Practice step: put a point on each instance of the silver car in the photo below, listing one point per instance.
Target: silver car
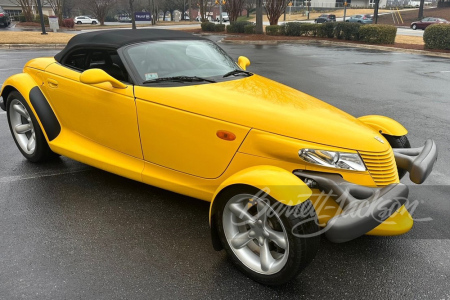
(364, 19)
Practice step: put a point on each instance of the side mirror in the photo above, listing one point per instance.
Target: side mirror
(243, 62)
(96, 76)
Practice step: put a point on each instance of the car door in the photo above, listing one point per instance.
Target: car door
(100, 113)
(423, 23)
(174, 133)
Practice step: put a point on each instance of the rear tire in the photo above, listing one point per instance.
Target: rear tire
(25, 129)
(272, 247)
(398, 142)
(79, 22)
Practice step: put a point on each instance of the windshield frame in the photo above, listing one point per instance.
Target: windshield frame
(138, 81)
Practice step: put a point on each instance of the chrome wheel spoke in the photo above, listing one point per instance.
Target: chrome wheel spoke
(277, 237)
(241, 240)
(262, 211)
(266, 257)
(241, 212)
(20, 110)
(22, 128)
(31, 143)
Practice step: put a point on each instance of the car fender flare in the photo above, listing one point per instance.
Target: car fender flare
(279, 183)
(29, 89)
(384, 125)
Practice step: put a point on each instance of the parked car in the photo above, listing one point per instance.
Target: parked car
(325, 18)
(5, 20)
(173, 110)
(85, 20)
(364, 19)
(225, 17)
(424, 23)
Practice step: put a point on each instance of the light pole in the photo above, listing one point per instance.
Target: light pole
(41, 17)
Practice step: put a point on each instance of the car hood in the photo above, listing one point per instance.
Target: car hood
(260, 103)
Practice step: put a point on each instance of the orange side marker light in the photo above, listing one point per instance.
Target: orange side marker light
(226, 135)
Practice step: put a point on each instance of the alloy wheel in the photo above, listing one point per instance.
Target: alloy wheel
(22, 127)
(256, 234)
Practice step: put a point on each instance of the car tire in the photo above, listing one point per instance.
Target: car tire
(398, 142)
(79, 23)
(414, 27)
(297, 235)
(26, 131)
(94, 23)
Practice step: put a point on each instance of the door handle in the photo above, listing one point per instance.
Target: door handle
(52, 83)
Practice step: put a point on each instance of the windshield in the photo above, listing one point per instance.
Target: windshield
(194, 58)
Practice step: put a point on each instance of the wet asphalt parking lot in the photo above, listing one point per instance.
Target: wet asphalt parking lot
(69, 231)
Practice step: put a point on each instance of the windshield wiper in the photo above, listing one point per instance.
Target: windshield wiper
(237, 72)
(179, 79)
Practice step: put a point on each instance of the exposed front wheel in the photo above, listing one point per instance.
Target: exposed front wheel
(267, 240)
(94, 23)
(26, 131)
(398, 142)
(414, 27)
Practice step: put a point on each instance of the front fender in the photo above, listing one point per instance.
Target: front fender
(280, 184)
(21, 82)
(26, 85)
(384, 125)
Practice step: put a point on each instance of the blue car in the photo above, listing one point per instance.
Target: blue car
(364, 19)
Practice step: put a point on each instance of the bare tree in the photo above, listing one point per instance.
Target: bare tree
(27, 8)
(68, 6)
(133, 18)
(153, 6)
(234, 9)
(203, 6)
(249, 6)
(99, 8)
(57, 6)
(274, 10)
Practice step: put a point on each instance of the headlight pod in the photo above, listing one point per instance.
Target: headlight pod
(331, 159)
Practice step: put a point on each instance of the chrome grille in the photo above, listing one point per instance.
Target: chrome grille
(381, 166)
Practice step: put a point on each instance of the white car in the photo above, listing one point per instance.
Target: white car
(225, 17)
(85, 20)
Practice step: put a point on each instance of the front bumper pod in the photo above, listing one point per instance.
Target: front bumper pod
(363, 208)
(417, 161)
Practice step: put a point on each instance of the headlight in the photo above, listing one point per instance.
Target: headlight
(341, 160)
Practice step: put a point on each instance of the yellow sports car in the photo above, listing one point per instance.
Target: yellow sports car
(173, 110)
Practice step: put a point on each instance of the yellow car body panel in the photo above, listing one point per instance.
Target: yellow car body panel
(23, 83)
(282, 150)
(100, 113)
(274, 181)
(384, 125)
(196, 149)
(271, 107)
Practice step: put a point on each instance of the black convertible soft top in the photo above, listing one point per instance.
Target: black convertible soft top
(114, 39)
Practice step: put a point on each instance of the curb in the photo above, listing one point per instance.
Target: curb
(32, 46)
(343, 44)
